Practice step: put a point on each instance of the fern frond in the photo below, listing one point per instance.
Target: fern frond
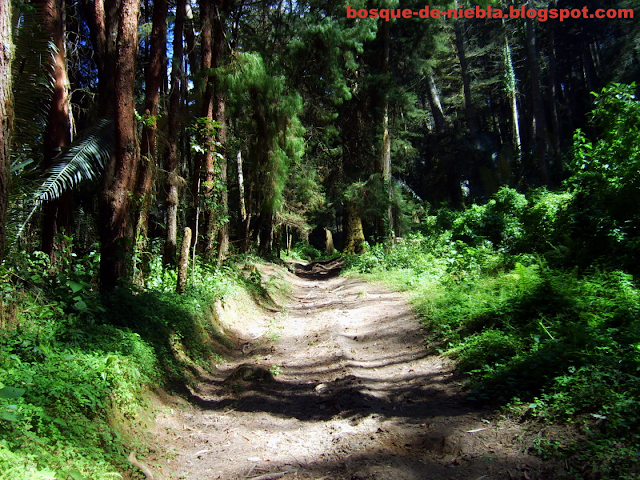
(83, 161)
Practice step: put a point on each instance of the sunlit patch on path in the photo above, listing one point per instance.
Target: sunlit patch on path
(349, 393)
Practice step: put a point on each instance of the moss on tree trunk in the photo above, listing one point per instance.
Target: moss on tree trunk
(353, 233)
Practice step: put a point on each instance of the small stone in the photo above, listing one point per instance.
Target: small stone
(322, 388)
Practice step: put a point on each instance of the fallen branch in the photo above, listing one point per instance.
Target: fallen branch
(476, 430)
(140, 466)
(270, 476)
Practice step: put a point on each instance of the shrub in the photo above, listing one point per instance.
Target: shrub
(553, 341)
(83, 361)
(499, 221)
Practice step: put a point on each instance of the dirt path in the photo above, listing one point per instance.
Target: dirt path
(355, 396)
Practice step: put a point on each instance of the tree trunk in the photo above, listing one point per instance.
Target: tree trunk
(466, 82)
(267, 222)
(383, 167)
(102, 18)
(148, 164)
(555, 97)
(190, 40)
(539, 129)
(223, 209)
(243, 208)
(120, 177)
(183, 263)
(204, 165)
(57, 214)
(329, 248)
(220, 116)
(175, 103)
(435, 104)
(215, 167)
(353, 232)
(6, 115)
(385, 154)
(590, 70)
(247, 223)
(512, 89)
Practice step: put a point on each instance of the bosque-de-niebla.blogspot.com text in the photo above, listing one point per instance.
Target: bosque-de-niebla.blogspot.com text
(541, 14)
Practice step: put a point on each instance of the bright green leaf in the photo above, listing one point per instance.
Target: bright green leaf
(80, 305)
(11, 392)
(76, 475)
(10, 417)
(75, 286)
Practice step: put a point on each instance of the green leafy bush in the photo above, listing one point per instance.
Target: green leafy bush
(532, 296)
(605, 218)
(499, 221)
(69, 395)
(83, 362)
(305, 252)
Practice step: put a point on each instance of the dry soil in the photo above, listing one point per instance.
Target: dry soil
(337, 385)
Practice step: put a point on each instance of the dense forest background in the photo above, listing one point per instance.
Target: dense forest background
(253, 123)
(498, 158)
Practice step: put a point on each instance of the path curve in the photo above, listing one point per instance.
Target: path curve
(355, 396)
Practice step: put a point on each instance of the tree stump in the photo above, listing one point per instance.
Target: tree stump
(183, 263)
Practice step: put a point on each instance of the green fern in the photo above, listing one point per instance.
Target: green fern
(83, 161)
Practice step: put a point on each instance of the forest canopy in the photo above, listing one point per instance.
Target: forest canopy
(254, 123)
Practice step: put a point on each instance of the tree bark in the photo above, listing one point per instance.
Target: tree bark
(243, 208)
(57, 214)
(384, 159)
(175, 103)
(267, 223)
(103, 20)
(329, 248)
(221, 118)
(539, 125)
(115, 234)
(435, 104)
(148, 164)
(191, 40)
(353, 232)
(223, 212)
(183, 263)
(203, 169)
(247, 221)
(6, 115)
(470, 112)
(512, 88)
(555, 97)
(214, 161)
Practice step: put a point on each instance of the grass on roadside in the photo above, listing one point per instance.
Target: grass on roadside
(545, 344)
(76, 367)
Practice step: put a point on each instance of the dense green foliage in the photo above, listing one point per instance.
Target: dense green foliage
(534, 296)
(83, 363)
(551, 343)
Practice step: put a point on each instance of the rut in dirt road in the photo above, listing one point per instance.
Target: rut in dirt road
(355, 396)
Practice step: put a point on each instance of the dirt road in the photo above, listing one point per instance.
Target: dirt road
(354, 396)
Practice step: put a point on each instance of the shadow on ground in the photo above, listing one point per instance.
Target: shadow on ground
(413, 420)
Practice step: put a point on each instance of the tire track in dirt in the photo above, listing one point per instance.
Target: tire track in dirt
(356, 396)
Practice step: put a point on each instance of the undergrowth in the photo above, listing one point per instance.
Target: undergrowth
(536, 296)
(548, 344)
(76, 367)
